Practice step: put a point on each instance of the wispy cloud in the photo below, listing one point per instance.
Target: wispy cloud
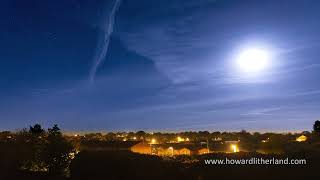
(305, 93)
(261, 112)
(103, 49)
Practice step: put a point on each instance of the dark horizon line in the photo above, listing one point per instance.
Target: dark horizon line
(82, 132)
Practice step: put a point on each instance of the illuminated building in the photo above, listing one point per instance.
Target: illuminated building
(203, 151)
(142, 148)
(180, 139)
(301, 138)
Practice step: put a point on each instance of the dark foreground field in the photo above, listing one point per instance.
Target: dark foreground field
(113, 165)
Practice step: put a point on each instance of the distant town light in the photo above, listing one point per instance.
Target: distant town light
(265, 140)
(217, 139)
(134, 138)
(187, 139)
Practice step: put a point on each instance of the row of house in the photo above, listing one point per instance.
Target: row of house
(170, 149)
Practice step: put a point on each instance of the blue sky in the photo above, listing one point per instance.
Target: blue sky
(158, 65)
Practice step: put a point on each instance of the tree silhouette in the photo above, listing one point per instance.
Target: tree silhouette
(34, 141)
(49, 151)
(36, 129)
(58, 152)
(141, 134)
(55, 130)
(316, 127)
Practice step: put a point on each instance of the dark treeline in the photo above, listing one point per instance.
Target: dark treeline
(36, 151)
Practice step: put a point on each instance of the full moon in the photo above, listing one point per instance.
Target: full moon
(253, 60)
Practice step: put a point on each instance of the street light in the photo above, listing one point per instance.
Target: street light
(234, 148)
(153, 141)
(171, 149)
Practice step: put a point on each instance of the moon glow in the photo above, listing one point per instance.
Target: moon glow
(253, 60)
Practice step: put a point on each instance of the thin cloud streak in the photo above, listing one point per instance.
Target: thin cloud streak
(261, 112)
(103, 50)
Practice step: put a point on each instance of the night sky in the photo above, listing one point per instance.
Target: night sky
(158, 65)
